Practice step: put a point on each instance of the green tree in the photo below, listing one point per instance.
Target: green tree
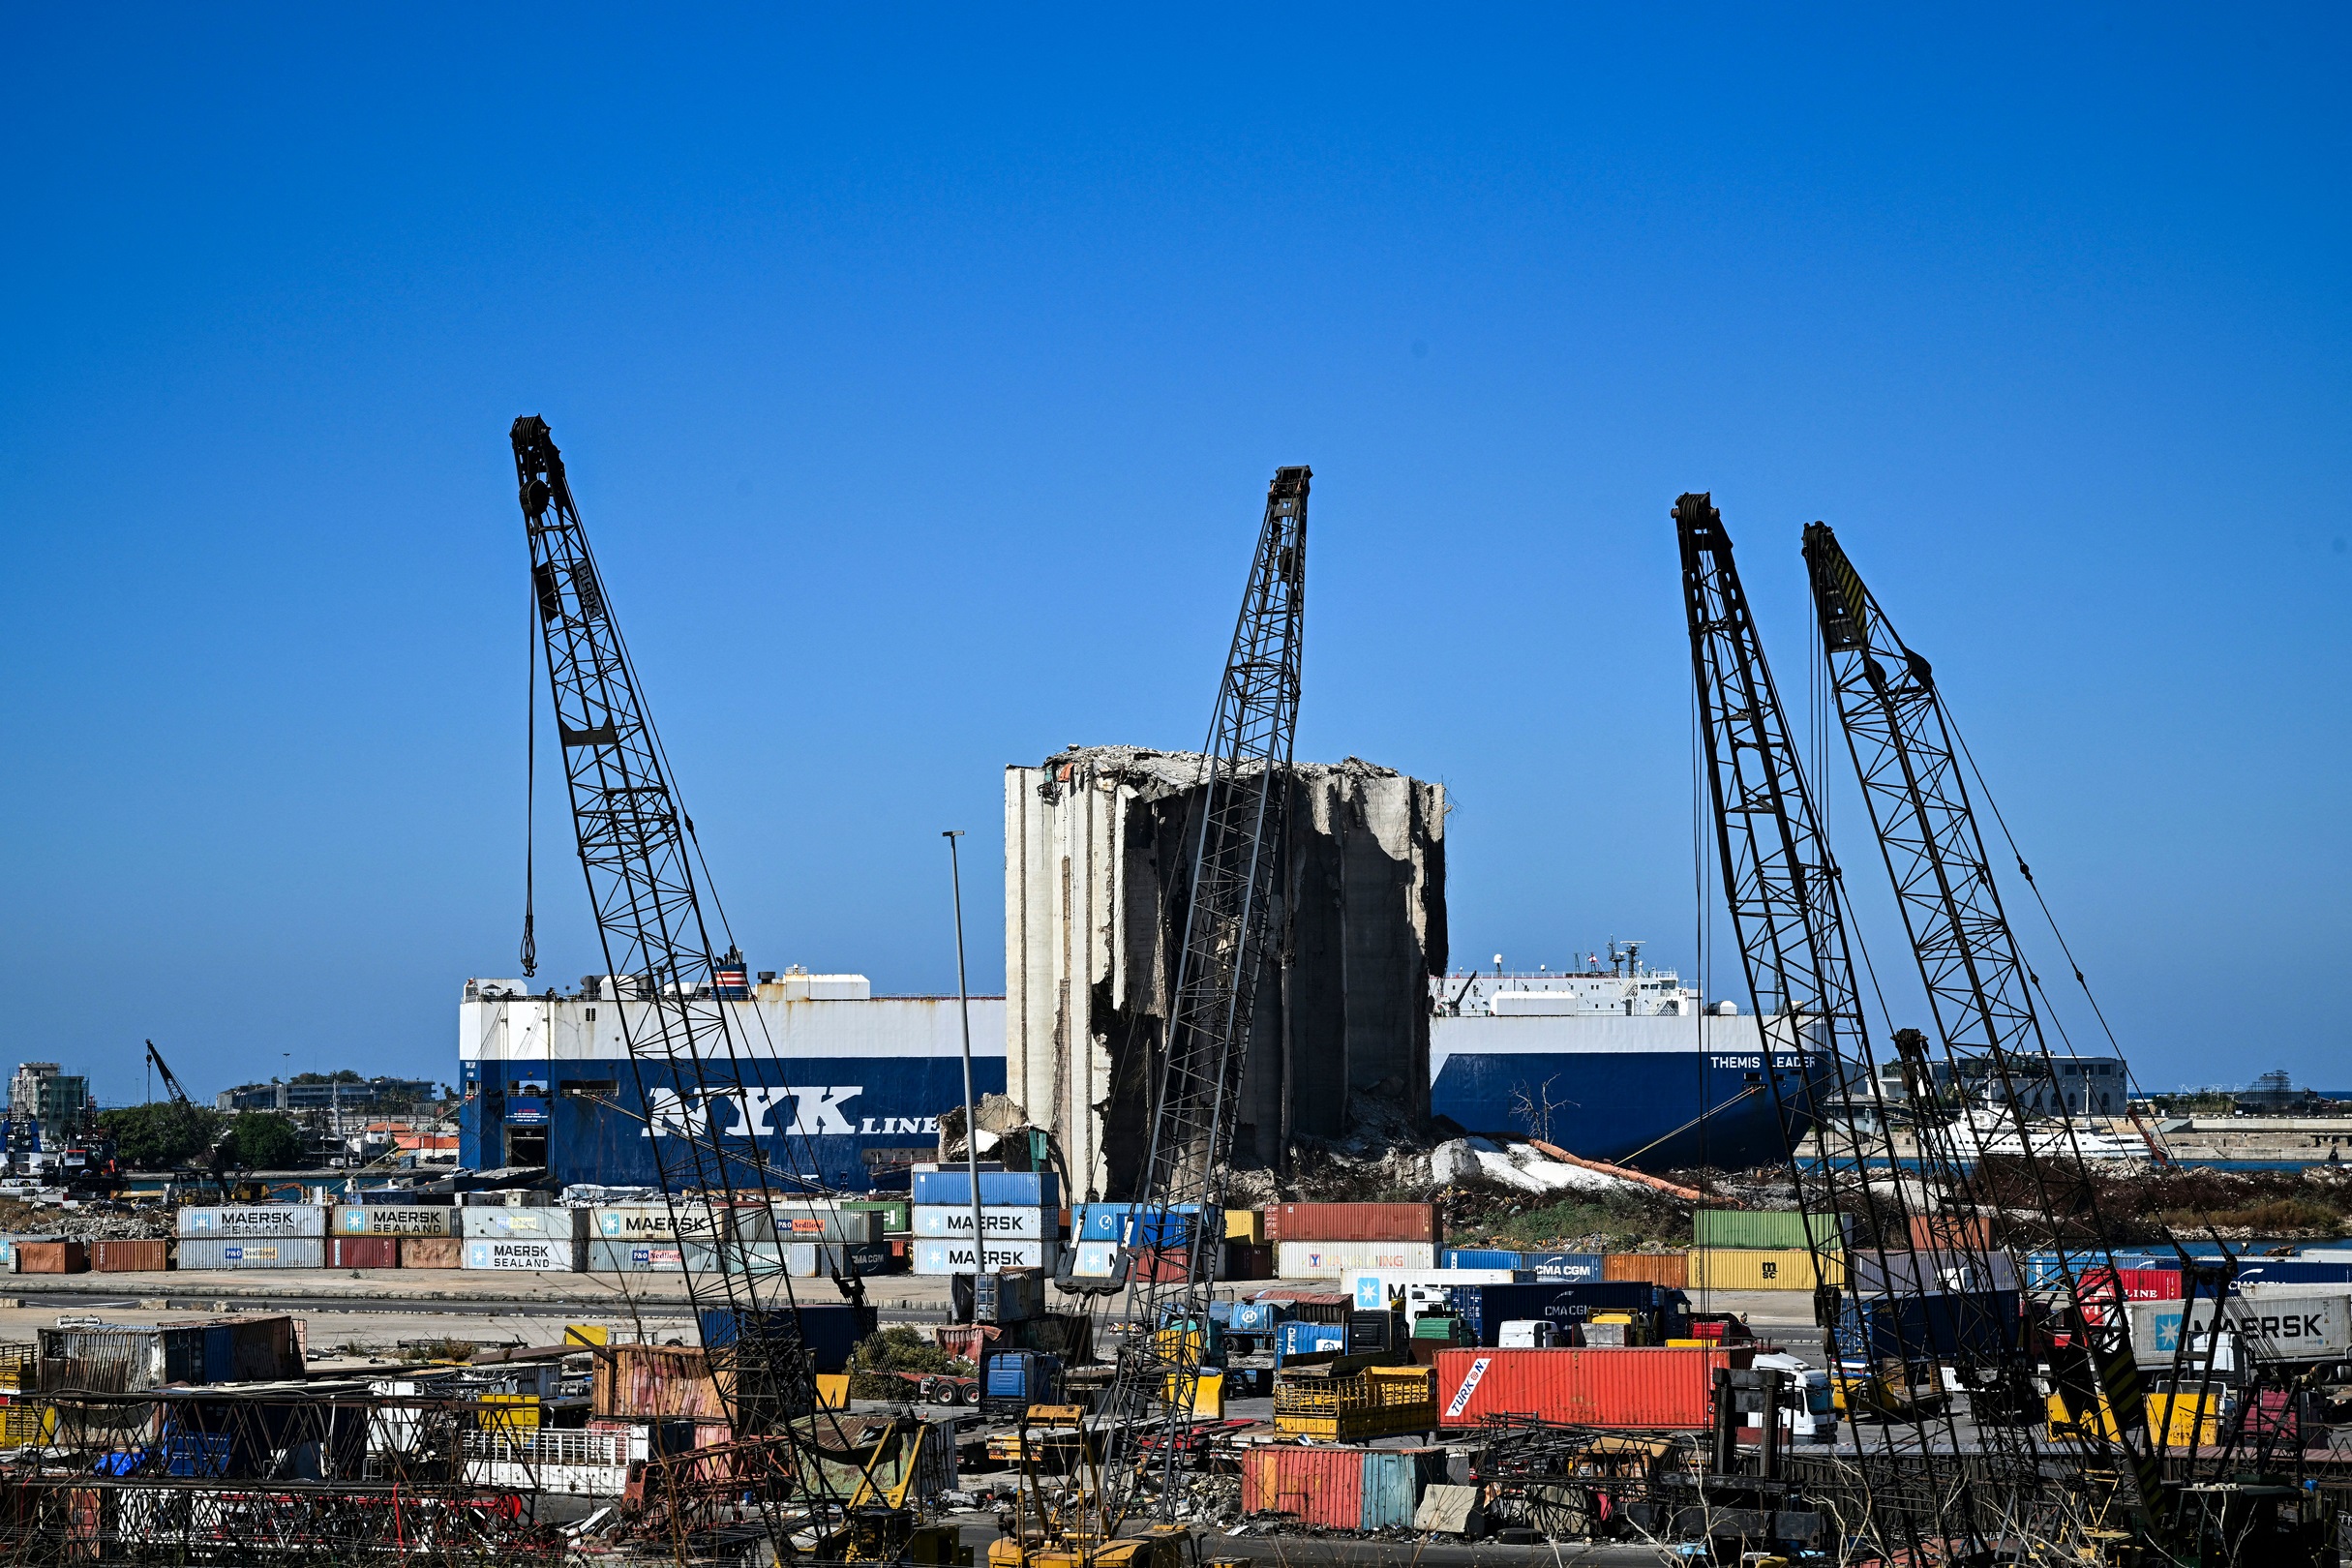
(162, 1135)
(264, 1140)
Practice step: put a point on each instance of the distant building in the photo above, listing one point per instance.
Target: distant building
(2077, 1085)
(43, 1093)
(370, 1094)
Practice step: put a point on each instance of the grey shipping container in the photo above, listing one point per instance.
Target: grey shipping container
(509, 1223)
(121, 1360)
(656, 1256)
(252, 1252)
(263, 1219)
(807, 1222)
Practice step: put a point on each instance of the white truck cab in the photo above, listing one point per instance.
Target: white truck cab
(1528, 1334)
(1806, 1413)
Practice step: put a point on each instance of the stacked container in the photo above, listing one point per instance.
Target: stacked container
(1020, 1211)
(1765, 1250)
(395, 1219)
(254, 1236)
(432, 1252)
(1661, 1389)
(510, 1237)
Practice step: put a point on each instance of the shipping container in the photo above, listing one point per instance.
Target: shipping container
(363, 1252)
(1324, 1259)
(526, 1252)
(2272, 1327)
(1477, 1258)
(396, 1220)
(1247, 1260)
(1669, 1268)
(1245, 1225)
(635, 1257)
(1318, 1486)
(514, 1223)
(122, 1358)
(1000, 1296)
(1776, 1230)
(1091, 1260)
(252, 1252)
(432, 1252)
(1256, 1316)
(1423, 1223)
(8, 1253)
(829, 1331)
(1737, 1268)
(999, 1223)
(809, 1223)
(2290, 1271)
(131, 1256)
(1660, 1389)
(955, 1256)
(653, 1223)
(1297, 1338)
(2099, 1290)
(1393, 1480)
(636, 1381)
(1955, 1233)
(1484, 1309)
(897, 1214)
(1028, 1188)
(263, 1220)
(1136, 1224)
(1022, 1377)
(1981, 1325)
(1373, 1290)
(1930, 1273)
(1568, 1268)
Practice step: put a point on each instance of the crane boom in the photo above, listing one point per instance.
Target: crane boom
(1227, 898)
(635, 849)
(1979, 988)
(171, 1082)
(1782, 886)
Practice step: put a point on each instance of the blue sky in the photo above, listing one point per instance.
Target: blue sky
(921, 375)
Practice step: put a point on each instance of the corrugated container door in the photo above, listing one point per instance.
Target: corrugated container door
(1390, 1493)
(1321, 1486)
(220, 1352)
(1259, 1482)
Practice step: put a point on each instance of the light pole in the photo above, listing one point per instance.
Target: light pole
(963, 1002)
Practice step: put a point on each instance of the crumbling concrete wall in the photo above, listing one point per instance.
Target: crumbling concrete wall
(1090, 840)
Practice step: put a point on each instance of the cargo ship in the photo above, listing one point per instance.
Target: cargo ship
(837, 1087)
(1612, 1060)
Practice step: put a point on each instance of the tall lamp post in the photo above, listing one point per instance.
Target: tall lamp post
(963, 1002)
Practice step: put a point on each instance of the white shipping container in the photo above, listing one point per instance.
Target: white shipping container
(391, 1220)
(1096, 1260)
(1000, 1223)
(1324, 1260)
(934, 1256)
(2270, 1327)
(653, 1222)
(506, 1224)
(1373, 1289)
(252, 1252)
(525, 1252)
(255, 1219)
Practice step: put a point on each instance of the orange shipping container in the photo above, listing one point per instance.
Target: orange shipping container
(432, 1252)
(1669, 1268)
(1670, 1389)
(131, 1256)
(637, 1381)
(1946, 1232)
(1321, 1486)
(1356, 1221)
(52, 1257)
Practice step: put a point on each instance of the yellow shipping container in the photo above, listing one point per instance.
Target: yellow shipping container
(2183, 1420)
(1245, 1225)
(1743, 1267)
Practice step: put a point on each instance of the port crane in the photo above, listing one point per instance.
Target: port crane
(1223, 898)
(171, 1082)
(635, 848)
(1908, 760)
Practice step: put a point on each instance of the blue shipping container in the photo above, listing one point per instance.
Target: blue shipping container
(1478, 1258)
(1393, 1480)
(1109, 1222)
(1485, 1308)
(1258, 1316)
(1569, 1268)
(1007, 1189)
(829, 1330)
(1917, 1328)
(1297, 1339)
(1023, 1375)
(2291, 1271)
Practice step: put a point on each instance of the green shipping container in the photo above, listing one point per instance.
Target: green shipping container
(897, 1214)
(1744, 1228)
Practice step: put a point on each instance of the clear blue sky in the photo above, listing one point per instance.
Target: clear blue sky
(921, 374)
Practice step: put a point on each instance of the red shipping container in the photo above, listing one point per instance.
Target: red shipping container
(131, 1256)
(2102, 1287)
(52, 1257)
(1320, 1486)
(1661, 1388)
(1248, 1260)
(1655, 1268)
(1356, 1221)
(363, 1252)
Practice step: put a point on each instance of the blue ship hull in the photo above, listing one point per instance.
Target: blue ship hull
(1652, 1109)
